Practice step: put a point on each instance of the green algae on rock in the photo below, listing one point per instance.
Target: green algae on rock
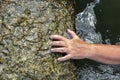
(25, 27)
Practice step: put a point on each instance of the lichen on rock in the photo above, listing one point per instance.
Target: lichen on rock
(25, 27)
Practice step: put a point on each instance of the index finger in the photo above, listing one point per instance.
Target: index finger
(57, 37)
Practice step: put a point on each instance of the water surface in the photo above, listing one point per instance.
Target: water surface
(108, 18)
(94, 24)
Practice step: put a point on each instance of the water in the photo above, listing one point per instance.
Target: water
(85, 24)
(108, 17)
(98, 23)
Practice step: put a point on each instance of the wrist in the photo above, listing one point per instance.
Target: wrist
(91, 51)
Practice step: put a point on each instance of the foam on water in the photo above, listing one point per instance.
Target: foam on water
(85, 24)
(85, 28)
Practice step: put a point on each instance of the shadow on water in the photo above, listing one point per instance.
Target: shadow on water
(107, 13)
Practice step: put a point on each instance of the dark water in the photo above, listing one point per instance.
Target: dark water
(105, 18)
(108, 18)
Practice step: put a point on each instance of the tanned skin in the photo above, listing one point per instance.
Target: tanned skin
(76, 48)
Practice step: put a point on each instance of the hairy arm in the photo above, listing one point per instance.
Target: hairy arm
(75, 48)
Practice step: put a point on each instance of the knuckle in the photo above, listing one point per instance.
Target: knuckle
(53, 43)
(63, 50)
(66, 50)
(58, 43)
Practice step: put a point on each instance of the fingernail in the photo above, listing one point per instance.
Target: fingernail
(59, 59)
(68, 29)
(52, 50)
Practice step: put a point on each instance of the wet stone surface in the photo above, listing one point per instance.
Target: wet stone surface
(25, 27)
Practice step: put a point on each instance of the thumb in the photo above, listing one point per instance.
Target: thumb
(72, 33)
(67, 57)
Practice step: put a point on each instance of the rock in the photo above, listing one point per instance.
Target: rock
(25, 28)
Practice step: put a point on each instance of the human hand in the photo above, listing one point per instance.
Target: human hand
(75, 48)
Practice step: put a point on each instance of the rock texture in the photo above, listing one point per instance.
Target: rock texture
(25, 27)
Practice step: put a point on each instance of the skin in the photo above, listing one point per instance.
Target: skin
(76, 48)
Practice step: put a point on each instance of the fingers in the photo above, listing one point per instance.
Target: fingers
(61, 50)
(72, 33)
(67, 57)
(57, 43)
(57, 37)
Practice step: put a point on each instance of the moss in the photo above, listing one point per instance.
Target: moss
(25, 37)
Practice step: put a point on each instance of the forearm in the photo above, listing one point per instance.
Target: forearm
(76, 48)
(109, 54)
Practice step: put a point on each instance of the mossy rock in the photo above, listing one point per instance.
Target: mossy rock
(25, 28)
